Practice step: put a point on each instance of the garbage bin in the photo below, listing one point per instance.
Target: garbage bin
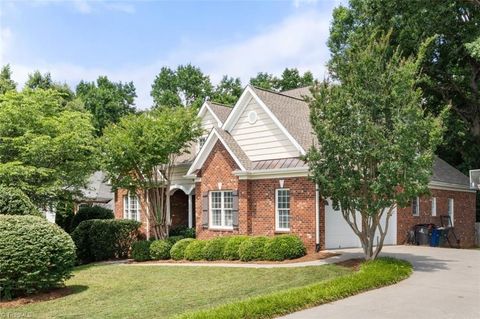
(435, 237)
(422, 234)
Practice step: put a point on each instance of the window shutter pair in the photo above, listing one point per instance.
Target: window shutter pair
(206, 207)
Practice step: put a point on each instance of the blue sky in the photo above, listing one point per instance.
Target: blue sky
(132, 40)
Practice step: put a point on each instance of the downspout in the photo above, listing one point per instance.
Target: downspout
(317, 218)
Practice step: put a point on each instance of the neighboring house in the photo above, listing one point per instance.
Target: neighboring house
(245, 176)
(97, 193)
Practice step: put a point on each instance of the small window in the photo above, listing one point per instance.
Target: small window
(221, 209)
(416, 206)
(131, 207)
(282, 209)
(201, 142)
(450, 210)
(434, 206)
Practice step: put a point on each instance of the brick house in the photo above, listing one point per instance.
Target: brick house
(245, 176)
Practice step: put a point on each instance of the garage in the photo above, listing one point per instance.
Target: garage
(338, 233)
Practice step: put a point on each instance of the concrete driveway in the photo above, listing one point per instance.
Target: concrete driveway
(445, 284)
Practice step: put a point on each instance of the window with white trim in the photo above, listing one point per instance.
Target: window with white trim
(450, 210)
(221, 209)
(434, 206)
(131, 207)
(416, 206)
(201, 142)
(282, 209)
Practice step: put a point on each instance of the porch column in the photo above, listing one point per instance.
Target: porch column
(190, 211)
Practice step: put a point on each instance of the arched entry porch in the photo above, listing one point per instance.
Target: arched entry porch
(182, 206)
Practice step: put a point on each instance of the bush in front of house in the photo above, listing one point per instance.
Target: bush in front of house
(177, 252)
(141, 250)
(231, 250)
(160, 249)
(214, 248)
(173, 239)
(93, 212)
(194, 250)
(35, 255)
(283, 247)
(183, 231)
(14, 202)
(253, 249)
(103, 239)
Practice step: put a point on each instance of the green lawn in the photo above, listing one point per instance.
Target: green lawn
(116, 291)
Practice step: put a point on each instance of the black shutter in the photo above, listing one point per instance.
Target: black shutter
(235, 209)
(205, 210)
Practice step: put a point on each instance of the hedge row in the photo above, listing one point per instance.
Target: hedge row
(104, 239)
(221, 248)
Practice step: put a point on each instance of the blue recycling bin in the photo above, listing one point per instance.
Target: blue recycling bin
(435, 238)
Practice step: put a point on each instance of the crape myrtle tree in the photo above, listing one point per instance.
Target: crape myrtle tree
(139, 154)
(375, 143)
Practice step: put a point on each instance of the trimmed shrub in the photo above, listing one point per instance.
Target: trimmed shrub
(94, 212)
(160, 249)
(103, 239)
(177, 252)
(214, 248)
(253, 249)
(35, 255)
(183, 231)
(141, 250)
(173, 239)
(64, 215)
(194, 251)
(232, 246)
(284, 247)
(14, 202)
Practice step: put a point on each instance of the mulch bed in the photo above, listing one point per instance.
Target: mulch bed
(309, 257)
(44, 296)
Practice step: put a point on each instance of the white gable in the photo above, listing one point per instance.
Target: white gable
(261, 138)
(209, 121)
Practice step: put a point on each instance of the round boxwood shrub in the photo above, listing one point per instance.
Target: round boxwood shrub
(35, 255)
(177, 252)
(93, 212)
(160, 249)
(214, 248)
(284, 247)
(173, 239)
(194, 251)
(232, 246)
(253, 248)
(14, 202)
(141, 250)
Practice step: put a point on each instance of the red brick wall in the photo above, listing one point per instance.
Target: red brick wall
(464, 215)
(118, 211)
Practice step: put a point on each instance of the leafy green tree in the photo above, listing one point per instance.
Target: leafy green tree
(186, 86)
(227, 91)
(264, 80)
(6, 82)
(38, 80)
(292, 79)
(451, 65)
(46, 150)
(140, 152)
(376, 145)
(107, 101)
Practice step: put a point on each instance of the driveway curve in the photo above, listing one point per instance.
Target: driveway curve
(445, 284)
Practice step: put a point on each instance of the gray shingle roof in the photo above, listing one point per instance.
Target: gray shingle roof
(235, 148)
(299, 93)
(446, 173)
(220, 110)
(293, 113)
(97, 188)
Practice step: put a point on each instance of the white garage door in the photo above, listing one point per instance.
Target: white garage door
(338, 233)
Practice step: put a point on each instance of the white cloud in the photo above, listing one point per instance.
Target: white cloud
(82, 6)
(298, 3)
(6, 38)
(298, 41)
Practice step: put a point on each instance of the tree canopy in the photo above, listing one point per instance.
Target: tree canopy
(6, 82)
(38, 80)
(46, 149)
(376, 146)
(227, 91)
(451, 64)
(107, 101)
(290, 79)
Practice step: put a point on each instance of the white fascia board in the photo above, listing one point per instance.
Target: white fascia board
(207, 148)
(239, 107)
(204, 109)
(450, 187)
(273, 173)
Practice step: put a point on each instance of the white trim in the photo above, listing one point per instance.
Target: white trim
(202, 111)
(452, 215)
(222, 210)
(416, 213)
(190, 211)
(272, 173)
(434, 206)
(127, 214)
(239, 107)
(317, 216)
(207, 148)
(470, 178)
(277, 215)
(450, 187)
